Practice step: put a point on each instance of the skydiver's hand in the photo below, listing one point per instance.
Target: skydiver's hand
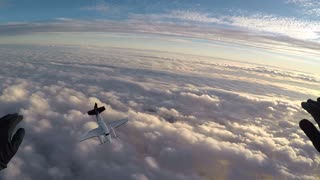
(9, 145)
(313, 108)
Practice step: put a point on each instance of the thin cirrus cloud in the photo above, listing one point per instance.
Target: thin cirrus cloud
(103, 8)
(309, 7)
(286, 26)
(162, 25)
(99, 7)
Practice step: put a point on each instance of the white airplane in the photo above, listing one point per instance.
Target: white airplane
(103, 130)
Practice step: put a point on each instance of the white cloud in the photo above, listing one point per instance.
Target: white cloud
(64, 19)
(15, 93)
(189, 16)
(202, 98)
(286, 26)
(263, 31)
(309, 7)
(184, 123)
(291, 27)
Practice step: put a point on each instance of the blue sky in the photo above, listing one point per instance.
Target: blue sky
(39, 10)
(293, 18)
(298, 19)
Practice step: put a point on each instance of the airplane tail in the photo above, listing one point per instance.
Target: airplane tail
(96, 110)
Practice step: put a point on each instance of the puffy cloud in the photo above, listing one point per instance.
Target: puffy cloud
(15, 93)
(210, 121)
(202, 98)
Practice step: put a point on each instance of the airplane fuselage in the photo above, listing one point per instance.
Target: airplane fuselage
(102, 124)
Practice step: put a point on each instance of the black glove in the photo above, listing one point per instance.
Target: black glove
(313, 108)
(8, 146)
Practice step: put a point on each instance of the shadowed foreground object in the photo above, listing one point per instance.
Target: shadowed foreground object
(313, 107)
(9, 144)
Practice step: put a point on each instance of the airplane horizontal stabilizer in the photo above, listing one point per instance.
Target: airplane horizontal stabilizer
(99, 110)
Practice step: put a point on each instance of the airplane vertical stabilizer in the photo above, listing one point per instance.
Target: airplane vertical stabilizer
(96, 110)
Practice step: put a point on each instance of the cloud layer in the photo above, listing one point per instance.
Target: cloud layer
(258, 30)
(257, 22)
(189, 117)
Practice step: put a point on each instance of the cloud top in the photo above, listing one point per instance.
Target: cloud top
(214, 120)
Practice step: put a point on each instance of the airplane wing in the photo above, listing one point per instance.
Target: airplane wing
(117, 123)
(93, 133)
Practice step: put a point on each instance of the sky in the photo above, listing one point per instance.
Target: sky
(300, 17)
(27, 10)
(212, 89)
(282, 30)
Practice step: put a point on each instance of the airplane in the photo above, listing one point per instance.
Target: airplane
(103, 131)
